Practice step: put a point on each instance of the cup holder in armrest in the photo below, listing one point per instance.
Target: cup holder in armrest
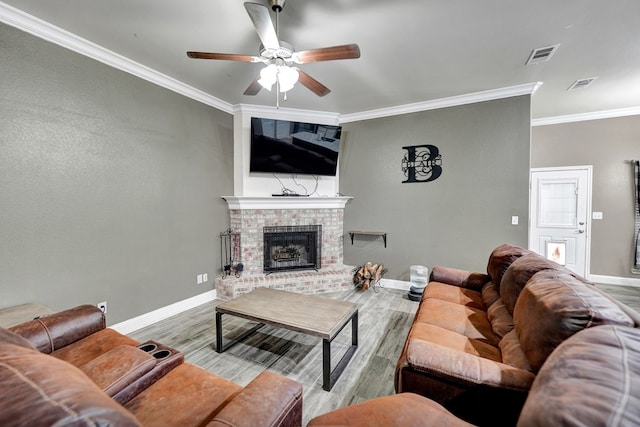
(166, 359)
(165, 355)
(148, 347)
(161, 354)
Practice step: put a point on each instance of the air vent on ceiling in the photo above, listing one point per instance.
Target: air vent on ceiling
(542, 54)
(579, 84)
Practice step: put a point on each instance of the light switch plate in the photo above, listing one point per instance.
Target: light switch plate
(514, 220)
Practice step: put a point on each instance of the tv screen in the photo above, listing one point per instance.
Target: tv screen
(282, 146)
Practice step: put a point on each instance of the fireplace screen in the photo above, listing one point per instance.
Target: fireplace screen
(289, 248)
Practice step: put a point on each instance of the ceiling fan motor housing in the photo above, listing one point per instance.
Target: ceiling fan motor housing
(276, 5)
(284, 51)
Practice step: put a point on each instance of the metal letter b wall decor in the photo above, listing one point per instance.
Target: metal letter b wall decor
(421, 163)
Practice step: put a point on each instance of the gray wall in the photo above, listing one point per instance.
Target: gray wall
(455, 220)
(109, 185)
(608, 145)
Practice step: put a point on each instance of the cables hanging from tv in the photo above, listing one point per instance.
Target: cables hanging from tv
(285, 190)
(289, 192)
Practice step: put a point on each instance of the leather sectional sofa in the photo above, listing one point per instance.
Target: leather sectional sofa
(591, 379)
(69, 369)
(478, 339)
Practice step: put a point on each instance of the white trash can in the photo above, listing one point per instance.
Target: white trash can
(419, 277)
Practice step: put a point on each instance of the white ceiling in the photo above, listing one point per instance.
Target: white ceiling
(412, 51)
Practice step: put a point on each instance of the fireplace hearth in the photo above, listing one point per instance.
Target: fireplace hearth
(291, 248)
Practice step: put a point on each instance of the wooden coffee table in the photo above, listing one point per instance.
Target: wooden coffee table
(312, 315)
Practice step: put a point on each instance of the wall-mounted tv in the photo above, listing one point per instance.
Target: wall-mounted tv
(282, 146)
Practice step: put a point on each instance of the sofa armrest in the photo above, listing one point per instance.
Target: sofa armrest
(460, 278)
(50, 333)
(270, 400)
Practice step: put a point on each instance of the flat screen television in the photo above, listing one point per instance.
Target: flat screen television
(282, 146)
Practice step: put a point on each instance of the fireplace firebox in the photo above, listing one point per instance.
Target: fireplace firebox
(295, 247)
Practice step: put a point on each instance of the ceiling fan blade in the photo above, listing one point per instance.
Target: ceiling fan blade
(346, 51)
(312, 84)
(253, 88)
(224, 56)
(259, 15)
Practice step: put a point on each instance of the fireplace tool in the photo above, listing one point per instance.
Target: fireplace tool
(230, 253)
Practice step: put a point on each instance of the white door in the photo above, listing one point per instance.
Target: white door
(559, 228)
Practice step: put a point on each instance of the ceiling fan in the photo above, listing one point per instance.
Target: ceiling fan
(280, 57)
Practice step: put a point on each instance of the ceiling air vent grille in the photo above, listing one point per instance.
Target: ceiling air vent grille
(579, 84)
(542, 54)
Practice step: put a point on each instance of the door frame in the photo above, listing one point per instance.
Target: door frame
(587, 246)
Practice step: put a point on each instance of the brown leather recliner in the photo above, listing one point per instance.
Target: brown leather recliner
(68, 369)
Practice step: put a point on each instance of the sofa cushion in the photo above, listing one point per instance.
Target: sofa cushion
(40, 390)
(448, 355)
(553, 306)
(489, 294)
(94, 345)
(512, 353)
(518, 274)
(404, 409)
(591, 379)
(500, 259)
(186, 396)
(455, 294)
(500, 318)
(468, 321)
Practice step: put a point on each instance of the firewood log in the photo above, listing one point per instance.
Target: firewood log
(377, 275)
(367, 270)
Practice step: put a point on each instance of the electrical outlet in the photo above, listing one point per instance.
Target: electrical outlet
(514, 220)
(199, 279)
(102, 306)
(205, 277)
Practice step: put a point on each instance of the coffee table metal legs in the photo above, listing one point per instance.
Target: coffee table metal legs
(220, 347)
(330, 377)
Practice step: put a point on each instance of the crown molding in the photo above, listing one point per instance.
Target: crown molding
(46, 31)
(42, 29)
(471, 98)
(570, 118)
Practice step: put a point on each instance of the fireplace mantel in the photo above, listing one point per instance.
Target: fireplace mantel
(276, 202)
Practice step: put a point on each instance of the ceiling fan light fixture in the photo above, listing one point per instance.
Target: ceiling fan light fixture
(268, 76)
(287, 77)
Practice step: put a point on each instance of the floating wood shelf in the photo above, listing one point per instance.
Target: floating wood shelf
(382, 234)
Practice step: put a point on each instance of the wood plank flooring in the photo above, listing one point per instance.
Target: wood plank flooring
(384, 321)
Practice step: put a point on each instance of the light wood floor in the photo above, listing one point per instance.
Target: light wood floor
(384, 321)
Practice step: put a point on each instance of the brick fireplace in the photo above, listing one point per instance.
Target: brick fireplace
(250, 215)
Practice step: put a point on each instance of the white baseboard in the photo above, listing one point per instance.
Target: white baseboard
(162, 313)
(613, 280)
(395, 284)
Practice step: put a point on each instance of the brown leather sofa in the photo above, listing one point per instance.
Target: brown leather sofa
(69, 369)
(478, 339)
(590, 379)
